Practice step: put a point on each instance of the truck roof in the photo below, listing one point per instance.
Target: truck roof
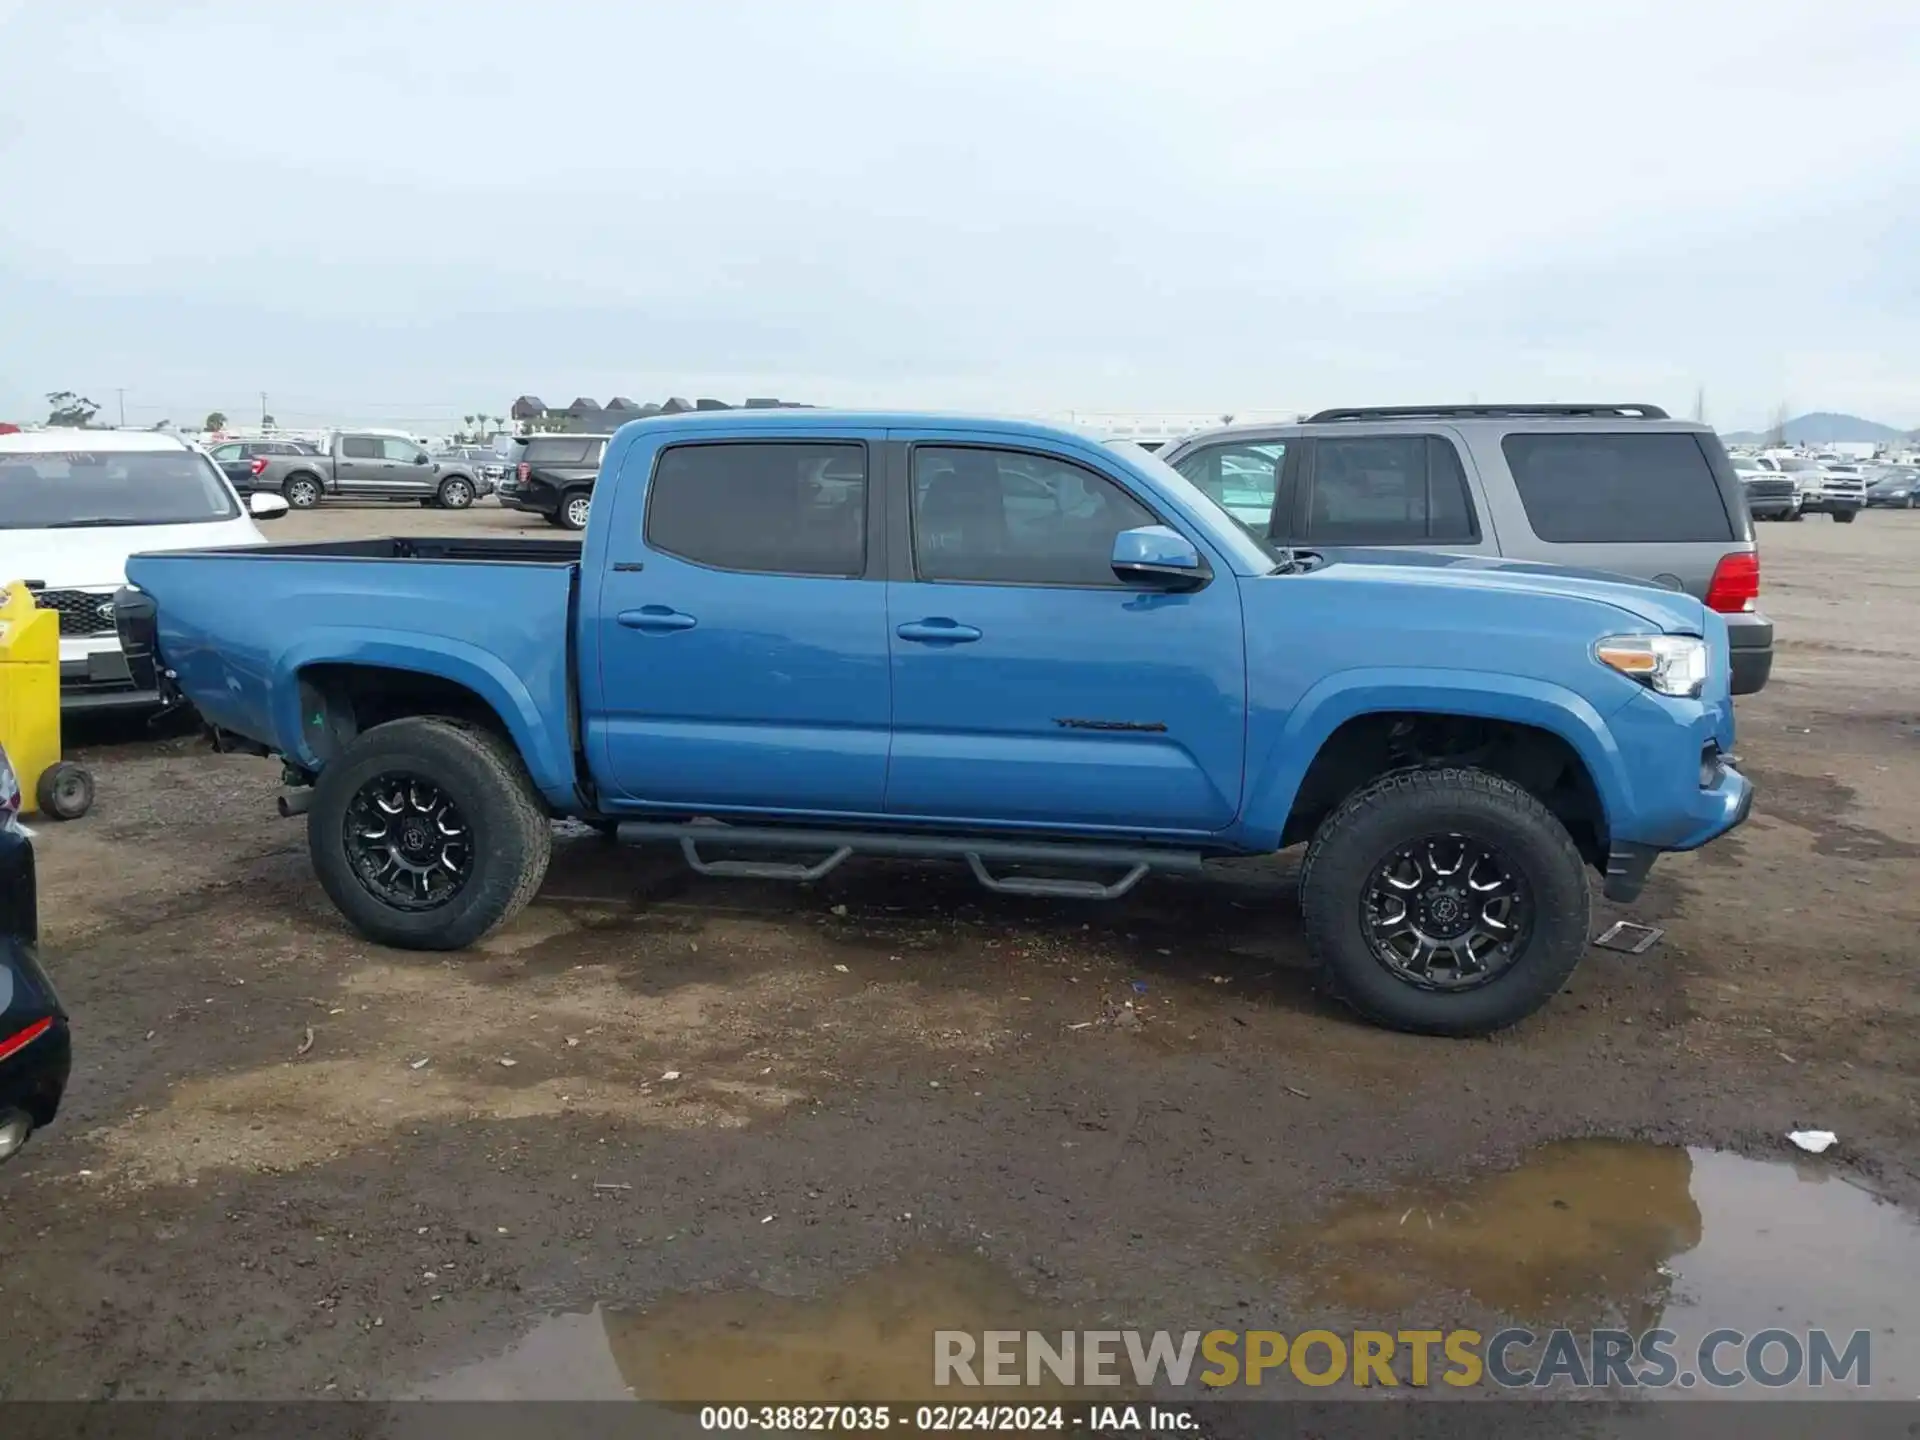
(788, 422)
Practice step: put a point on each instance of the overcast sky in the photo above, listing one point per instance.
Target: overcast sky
(409, 210)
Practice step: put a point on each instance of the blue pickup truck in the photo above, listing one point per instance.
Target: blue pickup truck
(791, 637)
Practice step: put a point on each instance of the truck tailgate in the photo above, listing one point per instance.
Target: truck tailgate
(237, 627)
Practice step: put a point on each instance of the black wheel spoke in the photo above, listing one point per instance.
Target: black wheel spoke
(407, 842)
(1446, 912)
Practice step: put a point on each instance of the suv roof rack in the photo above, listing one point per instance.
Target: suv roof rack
(1433, 412)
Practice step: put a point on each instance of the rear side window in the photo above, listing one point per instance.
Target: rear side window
(1389, 490)
(774, 509)
(559, 452)
(360, 447)
(1617, 489)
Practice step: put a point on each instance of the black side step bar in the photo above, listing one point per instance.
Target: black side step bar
(833, 847)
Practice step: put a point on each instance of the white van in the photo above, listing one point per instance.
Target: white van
(74, 504)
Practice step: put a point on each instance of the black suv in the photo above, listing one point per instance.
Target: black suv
(554, 478)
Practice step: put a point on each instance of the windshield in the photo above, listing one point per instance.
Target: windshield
(1255, 552)
(1798, 465)
(74, 489)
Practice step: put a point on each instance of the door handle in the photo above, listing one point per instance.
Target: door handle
(938, 631)
(656, 619)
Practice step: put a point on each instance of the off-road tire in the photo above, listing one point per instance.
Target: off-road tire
(481, 774)
(1402, 806)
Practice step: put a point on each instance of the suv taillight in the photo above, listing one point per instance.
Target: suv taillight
(259, 464)
(522, 470)
(1735, 586)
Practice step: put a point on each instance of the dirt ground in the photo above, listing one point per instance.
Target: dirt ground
(293, 1163)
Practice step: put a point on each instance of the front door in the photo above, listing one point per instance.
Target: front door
(1030, 683)
(740, 652)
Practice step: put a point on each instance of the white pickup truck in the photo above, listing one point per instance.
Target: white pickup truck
(74, 504)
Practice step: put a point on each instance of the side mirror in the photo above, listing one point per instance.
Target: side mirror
(263, 506)
(1159, 558)
(419, 457)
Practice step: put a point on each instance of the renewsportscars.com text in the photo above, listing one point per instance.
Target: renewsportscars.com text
(1511, 1359)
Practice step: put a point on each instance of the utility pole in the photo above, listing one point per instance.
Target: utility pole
(1700, 404)
(263, 410)
(122, 393)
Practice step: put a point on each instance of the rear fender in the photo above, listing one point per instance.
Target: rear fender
(1274, 780)
(544, 750)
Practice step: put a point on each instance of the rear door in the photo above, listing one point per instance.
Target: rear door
(1645, 503)
(741, 630)
(1030, 683)
(360, 466)
(1400, 490)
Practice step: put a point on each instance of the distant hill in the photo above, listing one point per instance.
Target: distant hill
(1823, 427)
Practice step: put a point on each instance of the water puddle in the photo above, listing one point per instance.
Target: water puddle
(1600, 1233)
(870, 1339)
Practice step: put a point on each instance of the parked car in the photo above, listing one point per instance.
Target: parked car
(369, 465)
(1615, 488)
(1770, 495)
(554, 478)
(75, 504)
(36, 1045)
(490, 467)
(235, 458)
(1896, 488)
(1822, 491)
(809, 634)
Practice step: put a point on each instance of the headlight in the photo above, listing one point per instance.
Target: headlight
(1665, 664)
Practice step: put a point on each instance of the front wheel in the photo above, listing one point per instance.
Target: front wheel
(1444, 902)
(427, 833)
(1844, 517)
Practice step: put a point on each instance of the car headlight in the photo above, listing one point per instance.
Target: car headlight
(1666, 664)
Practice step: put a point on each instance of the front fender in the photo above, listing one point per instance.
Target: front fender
(1274, 779)
(545, 750)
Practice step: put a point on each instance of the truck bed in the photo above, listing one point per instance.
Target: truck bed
(495, 617)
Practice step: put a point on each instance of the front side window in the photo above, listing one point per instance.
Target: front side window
(405, 452)
(1011, 518)
(1388, 490)
(1241, 477)
(75, 490)
(773, 509)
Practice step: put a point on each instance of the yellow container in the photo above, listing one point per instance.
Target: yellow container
(30, 707)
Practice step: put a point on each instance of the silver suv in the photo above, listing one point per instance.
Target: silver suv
(1620, 488)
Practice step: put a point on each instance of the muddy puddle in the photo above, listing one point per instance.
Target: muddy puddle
(870, 1339)
(1585, 1235)
(1592, 1234)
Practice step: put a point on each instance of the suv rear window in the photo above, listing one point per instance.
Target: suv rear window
(559, 452)
(1616, 488)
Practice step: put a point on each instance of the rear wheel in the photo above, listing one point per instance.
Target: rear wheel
(456, 492)
(427, 833)
(1446, 902)
(302, 492)
(574, 507)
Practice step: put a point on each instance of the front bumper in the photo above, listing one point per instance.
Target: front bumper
(1725, 800)
(94, 675)
(1832, 504)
